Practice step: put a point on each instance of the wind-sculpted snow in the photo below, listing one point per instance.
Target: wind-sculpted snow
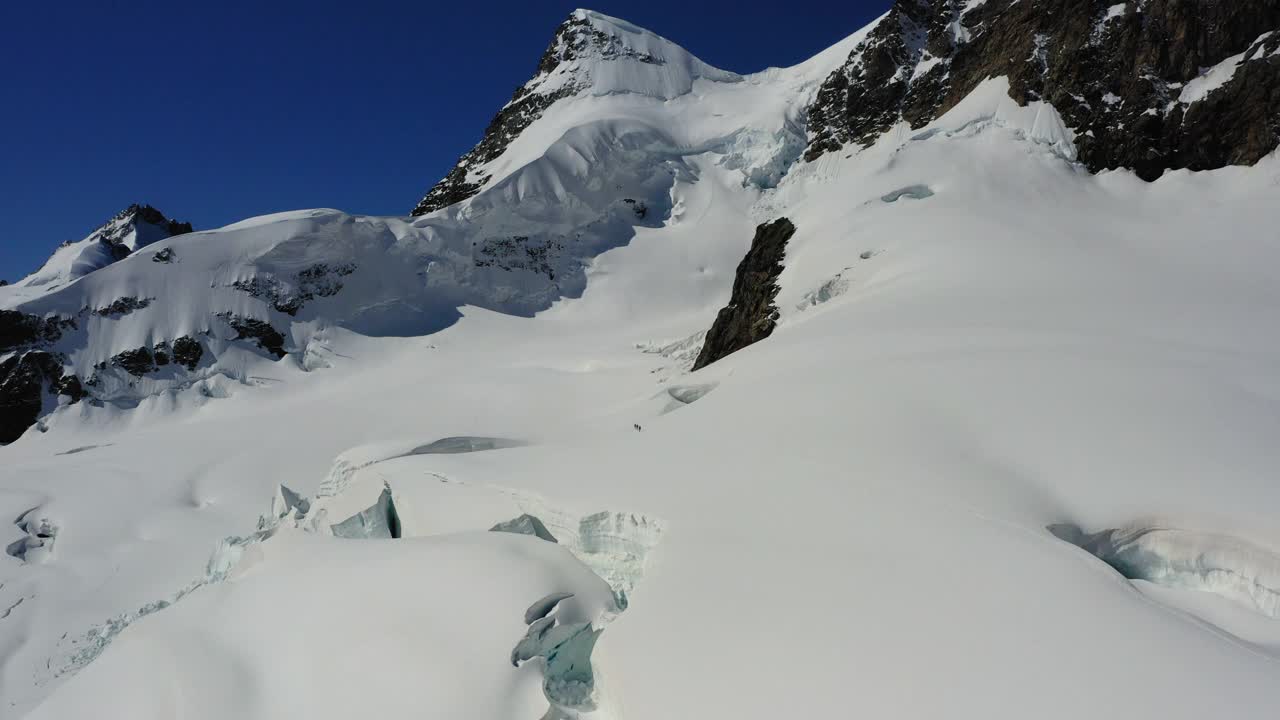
(1227, 566)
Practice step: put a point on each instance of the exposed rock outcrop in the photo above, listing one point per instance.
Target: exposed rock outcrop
(750, 315)
(33, 371)
(36, 373)
(19, 329)
(519, 253)
(138, 362)
(267, 337)
(319, 280)
(187, 352)
(1132, 79)
(122, 306)
(26, 379)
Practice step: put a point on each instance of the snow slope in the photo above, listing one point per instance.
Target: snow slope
(978, 340)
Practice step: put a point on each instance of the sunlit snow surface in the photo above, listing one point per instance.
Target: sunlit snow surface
(852, 523)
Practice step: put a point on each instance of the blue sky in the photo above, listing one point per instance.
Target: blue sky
(217, 111)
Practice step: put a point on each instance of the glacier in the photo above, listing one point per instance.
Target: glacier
(949, 376)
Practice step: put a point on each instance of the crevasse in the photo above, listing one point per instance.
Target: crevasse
(1172, 557)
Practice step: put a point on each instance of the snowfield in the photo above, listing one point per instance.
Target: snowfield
(985, 356)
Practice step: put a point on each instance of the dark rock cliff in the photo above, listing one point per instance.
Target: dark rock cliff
(19, 329)
(33, 373)
(262, 333)
(750, 315)
(26, 380)
(1116, 72)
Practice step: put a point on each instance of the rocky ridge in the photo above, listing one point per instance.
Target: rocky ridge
(1150, 85)
(751, 314)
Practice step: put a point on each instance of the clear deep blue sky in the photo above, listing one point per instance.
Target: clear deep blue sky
(214, 111)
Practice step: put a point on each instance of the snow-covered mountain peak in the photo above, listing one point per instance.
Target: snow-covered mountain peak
(601, 55)
(590, 54)
(129, 230)
(138, 226)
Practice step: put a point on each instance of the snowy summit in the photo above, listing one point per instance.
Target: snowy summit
(929, 378)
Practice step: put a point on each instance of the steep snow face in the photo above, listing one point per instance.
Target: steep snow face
(590, 55)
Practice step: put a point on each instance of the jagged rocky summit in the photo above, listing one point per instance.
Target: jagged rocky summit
(130, 230)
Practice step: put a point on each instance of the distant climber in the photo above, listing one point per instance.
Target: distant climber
(637, 427)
